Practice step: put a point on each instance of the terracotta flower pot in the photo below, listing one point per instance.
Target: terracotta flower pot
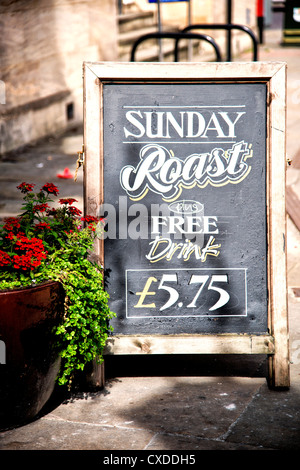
(27, 378)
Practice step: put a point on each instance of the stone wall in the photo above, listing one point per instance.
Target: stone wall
(43, 44)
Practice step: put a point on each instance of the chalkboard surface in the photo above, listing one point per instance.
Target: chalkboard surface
(185, 202)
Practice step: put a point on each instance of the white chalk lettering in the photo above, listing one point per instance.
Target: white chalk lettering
(184, 225)
(161, 173)
(165, 248)
(190, 124)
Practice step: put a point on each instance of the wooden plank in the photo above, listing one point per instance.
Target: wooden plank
(189, 71)
(279, 363)
(190, 344)
(93, 165)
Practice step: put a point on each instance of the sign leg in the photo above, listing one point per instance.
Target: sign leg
(279, 371)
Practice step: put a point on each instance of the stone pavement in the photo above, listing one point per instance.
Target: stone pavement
(162, 404)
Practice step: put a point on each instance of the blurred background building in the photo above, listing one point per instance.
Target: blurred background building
(45, 42)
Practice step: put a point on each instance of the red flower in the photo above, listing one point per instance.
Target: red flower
(11, 223)
(33, 253)
(4, 258)
(40, 207)
(74, 211)
(42, 225)
(25, 187)
(89, 219)
(67, 201)
(50, 188)
(10, 236)
(27, 261)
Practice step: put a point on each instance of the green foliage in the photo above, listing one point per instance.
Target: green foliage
(45, 244)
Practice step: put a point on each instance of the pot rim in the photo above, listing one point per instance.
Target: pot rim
(38, 286)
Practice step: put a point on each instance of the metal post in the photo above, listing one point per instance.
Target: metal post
(190, 46)
(120, 6)
(229, 18)
(260, 19)
(160, 53)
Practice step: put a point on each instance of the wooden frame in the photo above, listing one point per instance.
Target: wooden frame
(275, 343)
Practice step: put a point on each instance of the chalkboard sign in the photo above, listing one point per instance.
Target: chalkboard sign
(182, 166)
(185, 179)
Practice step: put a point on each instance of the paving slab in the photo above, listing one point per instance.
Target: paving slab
(272, 420)
(142, 412)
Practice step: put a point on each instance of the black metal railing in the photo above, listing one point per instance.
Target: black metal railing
(227, 27)
(177, 37)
